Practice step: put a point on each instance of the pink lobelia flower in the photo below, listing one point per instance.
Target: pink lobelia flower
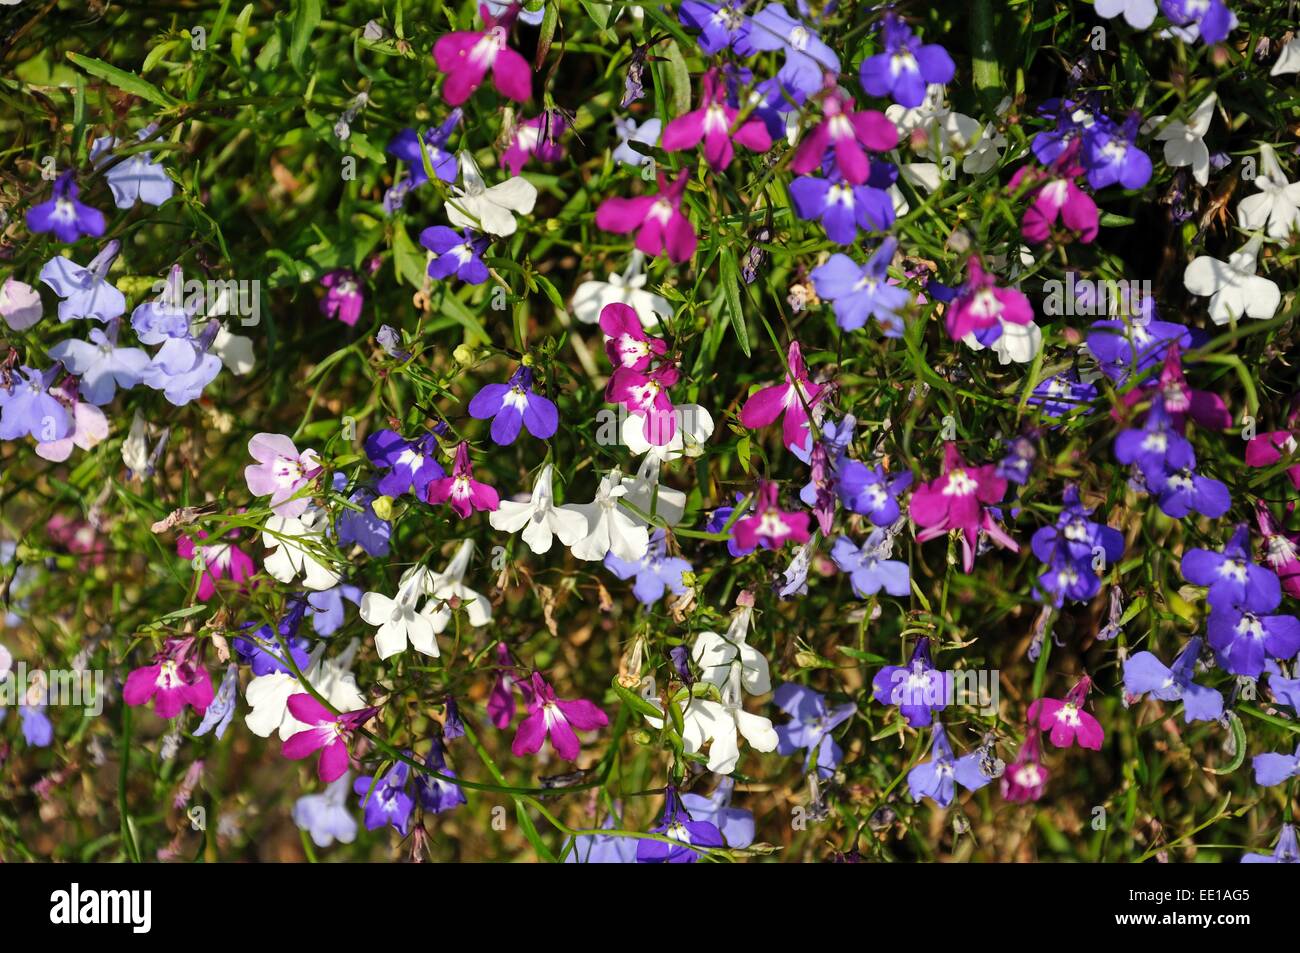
(328, 733)
(465, 493)
(218, 561)
(343, 297)
(1025, 778)
(769, 526)
(848, 135)
(646, 394)
(1065, 721)
(553, 718)
(957, 502)
(172, 681)
(794, 398)
(468, 57)
(1267, 449)
(1281, 551)
(280, 472)
(713, 123)
(1057, 196)
(540, 137)
(982, 306)
(657, 220)
(501, 701)
(626, 343)
(1182, 401)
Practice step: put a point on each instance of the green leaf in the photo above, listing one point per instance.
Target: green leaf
(729, 276)
(306, 18)
(120, 78)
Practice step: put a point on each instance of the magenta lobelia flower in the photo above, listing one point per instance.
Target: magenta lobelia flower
(1281, 551)
(280, 472)
(501, 701)
(1065, 721)
(626, 343)
(657, 220)
(172, 681)
(769, 526)
(794, 397)
(646, 394)
(1056, 196)
(537, 137)
(712, 123)
(327, 733)
(848, 135)
(1025, 778)
(223, 560)
(467, 57)
(465, 493)
(554, 718)
(982, 306)
(1181, 401)
(343, 298)
(1267, 449)
(957, 502)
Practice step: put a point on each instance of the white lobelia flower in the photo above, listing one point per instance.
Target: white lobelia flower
(1232, 286)
(1276, 208)
(1288, 61)
(1139, 14)
(719, 656)
(449, 584)
(492, 210)
(647, 134)
(540, 519)
(399, 619)
(268, 695)
(694, 427)
(591, 297)
(718, 723)
(1017, 342)
(298, 545)
(936, 132)
(1184, 142)
(610, 529)
(646, 493)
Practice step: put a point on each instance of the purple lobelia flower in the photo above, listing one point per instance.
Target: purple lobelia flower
(411, 464)
(918, 688)
(1111, 154)
(343, 298)
(1211, 20)
(1123, 347)
(718, 521)
(86, 291)
(515, 404)
(1231, 576)
(456, 253)
(1242, 635)
(1144, 673)
(63, 215)
(222, 710)
(862, 291)
(1287, 850)
(28, 407)
(325, 816)
(602, 848)
(167, 316)
(906, 66)
(1272, 768)
(1019, 461)
(684, 831)
(841, 207)
(807, 58)
(435, 794)
(735, 823)
(656, 572)
(1157, 448)
(102, 366)
(721, 25)
(810, 726)
(869, 568)
(938, 778)
(384, 800)
(263, 648)
(327, 607)
(871, 491)
(361, 526)
(1062, 394)
(406, 146)
(1074, 549)
(136, 177)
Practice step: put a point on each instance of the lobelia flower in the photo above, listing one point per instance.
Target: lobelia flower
(1276, 208)
(63, 215)
(487, 209)
(37, 729)
(768, 525)
(1016, 466)
(1211, 20)
(326, 732)
(862, 291)
(384, 801)
(602, 848)
(102, 366)
(1057, 197)
(1231, 577)
(400, 619)
(810, 726)
(20, 304)
(938, 778)
(461, 489)
(1242, 635)
(959, 501)
(1287, 850)
(1062, 394)
(627, 131)
(982, 308)
(793, 398)
(906, 66)
(1026, 777)
(438, 794)
(361, 526)
(684, 833)
(539, 518)
(86, 291)
(1181, 401)
(467, 57)
(1234, 290)
(501, 700)
(1144, 673)
(136, 177)
(1139, 14)
(554, 719)
(411, 464)
(721, 25)
(712, 124)
(448, 591)
(89, 429)
(326, 608)
(844, 208)
(868, 568)
(1281, 552)
(870, 491)
(847, 135)
(1288, 61)
(406, 146)
(27, 407)
(268, 695)
(917, 689)
(718, 521)
(592, 297)
(513, 404)
(658, 220)
(1185, 142)
(280, 472)
(735, 824)
(221, 712)
(325, 816)
(537, 137)
(455, 253)
(183, 367)
(171, 682)
(1121, 347)
(1065, 720)
(656, 572)
(1072, 548)
(1271, 769)
(610, 529)
(299, 550)
(1112, 156)
(215, 561)
(343, 298)
(807, 58)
